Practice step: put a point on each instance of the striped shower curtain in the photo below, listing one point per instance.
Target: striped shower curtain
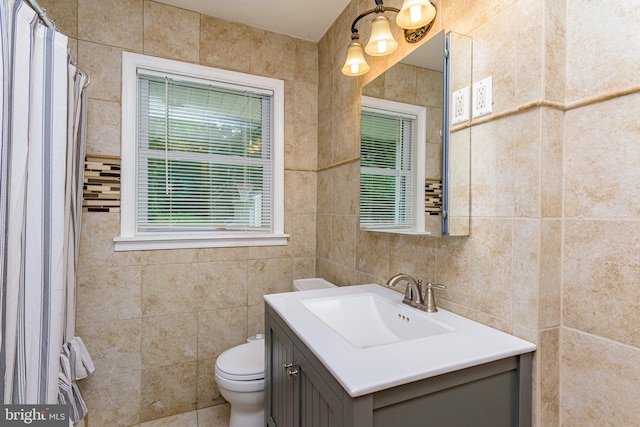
(40, 188)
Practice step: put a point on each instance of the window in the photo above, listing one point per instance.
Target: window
(392, 166)
(202, 157)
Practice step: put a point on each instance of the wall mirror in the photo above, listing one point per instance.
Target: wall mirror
(415, 142)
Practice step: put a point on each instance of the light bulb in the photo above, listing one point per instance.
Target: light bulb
(415, 12)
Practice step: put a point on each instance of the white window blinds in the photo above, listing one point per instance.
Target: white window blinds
(204, 157)
(387, 175)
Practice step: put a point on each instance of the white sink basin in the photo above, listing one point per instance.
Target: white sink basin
(368, 320)
(355, 331)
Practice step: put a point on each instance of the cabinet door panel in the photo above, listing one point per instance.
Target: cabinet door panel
(319, 405)
(281, 396)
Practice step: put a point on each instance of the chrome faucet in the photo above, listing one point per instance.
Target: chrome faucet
(413, 293)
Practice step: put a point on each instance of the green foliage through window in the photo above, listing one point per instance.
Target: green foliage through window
(386, 169)
(204, 156)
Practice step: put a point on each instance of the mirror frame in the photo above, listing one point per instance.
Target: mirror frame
(456, 177)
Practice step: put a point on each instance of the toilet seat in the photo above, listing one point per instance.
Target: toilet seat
(244, 362)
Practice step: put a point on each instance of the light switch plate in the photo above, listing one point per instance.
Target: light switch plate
(460, 105)
(482, 98)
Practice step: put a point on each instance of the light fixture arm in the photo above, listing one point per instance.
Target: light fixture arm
(411, 36)
(378, 9)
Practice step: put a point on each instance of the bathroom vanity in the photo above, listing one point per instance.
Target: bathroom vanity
(457, 373)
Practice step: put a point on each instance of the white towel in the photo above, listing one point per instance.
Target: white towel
(69, 393)
(83, 365)
(75, 364)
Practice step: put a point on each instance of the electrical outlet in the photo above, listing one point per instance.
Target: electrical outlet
(482, 98)
(460, 105)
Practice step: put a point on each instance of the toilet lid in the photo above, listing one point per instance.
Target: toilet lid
(244, 362)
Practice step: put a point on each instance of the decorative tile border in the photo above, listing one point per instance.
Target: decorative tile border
(433, 196)
(101, 192)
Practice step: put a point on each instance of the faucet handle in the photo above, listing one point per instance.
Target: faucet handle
(430, 299)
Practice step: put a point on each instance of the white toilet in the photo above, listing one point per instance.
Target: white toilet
(240, 372)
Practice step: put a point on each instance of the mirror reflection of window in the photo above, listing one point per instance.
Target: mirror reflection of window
(391, 166)
(387, 171)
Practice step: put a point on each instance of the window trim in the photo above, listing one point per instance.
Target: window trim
(420, 160)
(129, 238)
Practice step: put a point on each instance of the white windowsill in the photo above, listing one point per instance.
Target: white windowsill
(191, 241)
(396, 231)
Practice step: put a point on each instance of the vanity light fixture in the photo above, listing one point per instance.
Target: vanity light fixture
(415, 17)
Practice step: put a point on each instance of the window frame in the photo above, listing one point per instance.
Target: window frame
(130, 238)
(419, 153)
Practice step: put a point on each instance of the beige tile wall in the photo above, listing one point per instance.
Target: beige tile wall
(553, 254)
(601, 264)
(155, 321)
(601, 257)
(506, 169)
(553, 251)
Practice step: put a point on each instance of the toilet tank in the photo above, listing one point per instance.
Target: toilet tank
(311, 283)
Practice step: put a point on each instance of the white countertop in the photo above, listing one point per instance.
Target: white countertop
(366, 370)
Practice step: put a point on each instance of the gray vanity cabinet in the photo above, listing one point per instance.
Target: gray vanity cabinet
(301, 392)
(279, 354)
(297, 392)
